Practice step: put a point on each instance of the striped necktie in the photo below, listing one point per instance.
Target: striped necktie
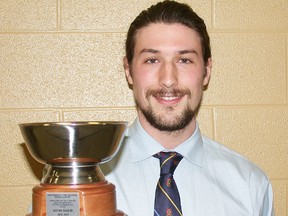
(167, 199)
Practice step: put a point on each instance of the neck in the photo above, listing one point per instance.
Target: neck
(168, 139)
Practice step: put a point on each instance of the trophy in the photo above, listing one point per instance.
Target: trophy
(72, 183)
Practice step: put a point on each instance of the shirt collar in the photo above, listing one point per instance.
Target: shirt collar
(192, 148)
(143, 146)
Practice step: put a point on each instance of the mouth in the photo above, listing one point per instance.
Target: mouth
(168, 97)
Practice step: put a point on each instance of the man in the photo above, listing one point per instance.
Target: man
(168, 65)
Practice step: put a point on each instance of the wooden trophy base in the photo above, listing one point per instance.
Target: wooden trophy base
(95, 199)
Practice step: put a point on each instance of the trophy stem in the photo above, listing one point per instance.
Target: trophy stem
(72, 173)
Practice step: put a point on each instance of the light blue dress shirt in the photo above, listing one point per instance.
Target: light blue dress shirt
(212, 180)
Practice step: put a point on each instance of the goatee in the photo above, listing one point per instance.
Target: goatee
(160, 121)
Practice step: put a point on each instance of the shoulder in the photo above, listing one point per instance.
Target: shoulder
(238, 176)
(228, 162)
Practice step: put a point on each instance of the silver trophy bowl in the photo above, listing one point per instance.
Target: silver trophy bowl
(73, 150)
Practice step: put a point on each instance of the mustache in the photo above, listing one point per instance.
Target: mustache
(168, 92)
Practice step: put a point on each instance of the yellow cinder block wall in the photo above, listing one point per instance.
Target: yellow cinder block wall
(61, 60)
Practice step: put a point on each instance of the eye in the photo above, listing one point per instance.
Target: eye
(185, 60)
(151, 61)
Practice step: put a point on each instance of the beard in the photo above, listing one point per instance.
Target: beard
(169, 122)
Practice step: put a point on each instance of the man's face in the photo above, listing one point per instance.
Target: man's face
(167, 74)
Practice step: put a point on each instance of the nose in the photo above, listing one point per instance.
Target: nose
(168, 75)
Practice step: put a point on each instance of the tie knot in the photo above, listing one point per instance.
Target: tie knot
(168, 161)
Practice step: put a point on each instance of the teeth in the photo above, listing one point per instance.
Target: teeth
(169, 98)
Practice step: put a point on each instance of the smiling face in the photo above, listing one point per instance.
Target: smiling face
(167, 75)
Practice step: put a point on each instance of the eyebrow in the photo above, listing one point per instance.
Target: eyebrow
(149, 51)
(179, 52)
(188, 51)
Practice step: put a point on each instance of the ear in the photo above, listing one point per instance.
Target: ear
(208, 69)
(127, 71)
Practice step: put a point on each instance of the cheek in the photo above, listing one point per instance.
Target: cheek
(144, 79)
(191, 81)
(139, 86)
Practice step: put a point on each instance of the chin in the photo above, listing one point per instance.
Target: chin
(169, 122)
